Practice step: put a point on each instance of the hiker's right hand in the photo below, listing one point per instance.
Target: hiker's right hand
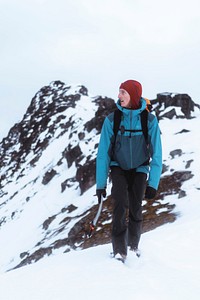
(100, 193)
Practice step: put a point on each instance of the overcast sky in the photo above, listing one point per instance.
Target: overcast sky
(97, 43)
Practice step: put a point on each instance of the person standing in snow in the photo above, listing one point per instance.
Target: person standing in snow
(135, 166)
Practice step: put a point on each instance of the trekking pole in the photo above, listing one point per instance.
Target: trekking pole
(94, 222)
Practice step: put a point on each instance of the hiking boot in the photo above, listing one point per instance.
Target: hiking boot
(136, 250)
(121, 257)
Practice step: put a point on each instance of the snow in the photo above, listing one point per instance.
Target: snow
(169, 267)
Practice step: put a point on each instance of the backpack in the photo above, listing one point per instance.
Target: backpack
(144, 122)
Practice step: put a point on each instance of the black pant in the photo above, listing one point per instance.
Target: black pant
(127, 192)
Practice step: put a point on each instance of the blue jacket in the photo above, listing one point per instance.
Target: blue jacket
(130, 151)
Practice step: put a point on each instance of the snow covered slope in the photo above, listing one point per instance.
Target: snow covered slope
(169, 267)
(48, 170)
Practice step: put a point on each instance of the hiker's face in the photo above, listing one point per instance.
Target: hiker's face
(124, 98)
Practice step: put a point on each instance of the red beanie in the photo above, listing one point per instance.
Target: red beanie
(134, 88)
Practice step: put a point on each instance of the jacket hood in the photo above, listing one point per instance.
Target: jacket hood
(134, 111)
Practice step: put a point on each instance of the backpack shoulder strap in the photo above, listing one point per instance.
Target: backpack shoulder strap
(144, 123)
(116, 123)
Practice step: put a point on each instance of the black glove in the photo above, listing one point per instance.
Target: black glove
(150, 193)
(99, 193)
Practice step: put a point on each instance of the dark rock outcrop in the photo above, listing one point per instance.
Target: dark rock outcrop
(183, 101)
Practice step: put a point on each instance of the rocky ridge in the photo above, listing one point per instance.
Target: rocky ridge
(53, 148)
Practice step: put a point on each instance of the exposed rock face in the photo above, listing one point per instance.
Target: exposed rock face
(55, 145)
(166, 100)
(38, 127)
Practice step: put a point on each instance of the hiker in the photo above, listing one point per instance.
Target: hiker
(135, 164)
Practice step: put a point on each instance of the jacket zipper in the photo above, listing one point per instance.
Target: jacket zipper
(131, 150)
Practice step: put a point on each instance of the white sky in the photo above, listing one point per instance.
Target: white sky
(98, 43)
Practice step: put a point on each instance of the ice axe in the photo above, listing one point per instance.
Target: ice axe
(94, 222)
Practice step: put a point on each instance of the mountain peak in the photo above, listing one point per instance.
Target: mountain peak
(48, 170)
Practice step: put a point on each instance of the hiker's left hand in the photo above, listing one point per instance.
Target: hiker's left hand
(150, 193)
